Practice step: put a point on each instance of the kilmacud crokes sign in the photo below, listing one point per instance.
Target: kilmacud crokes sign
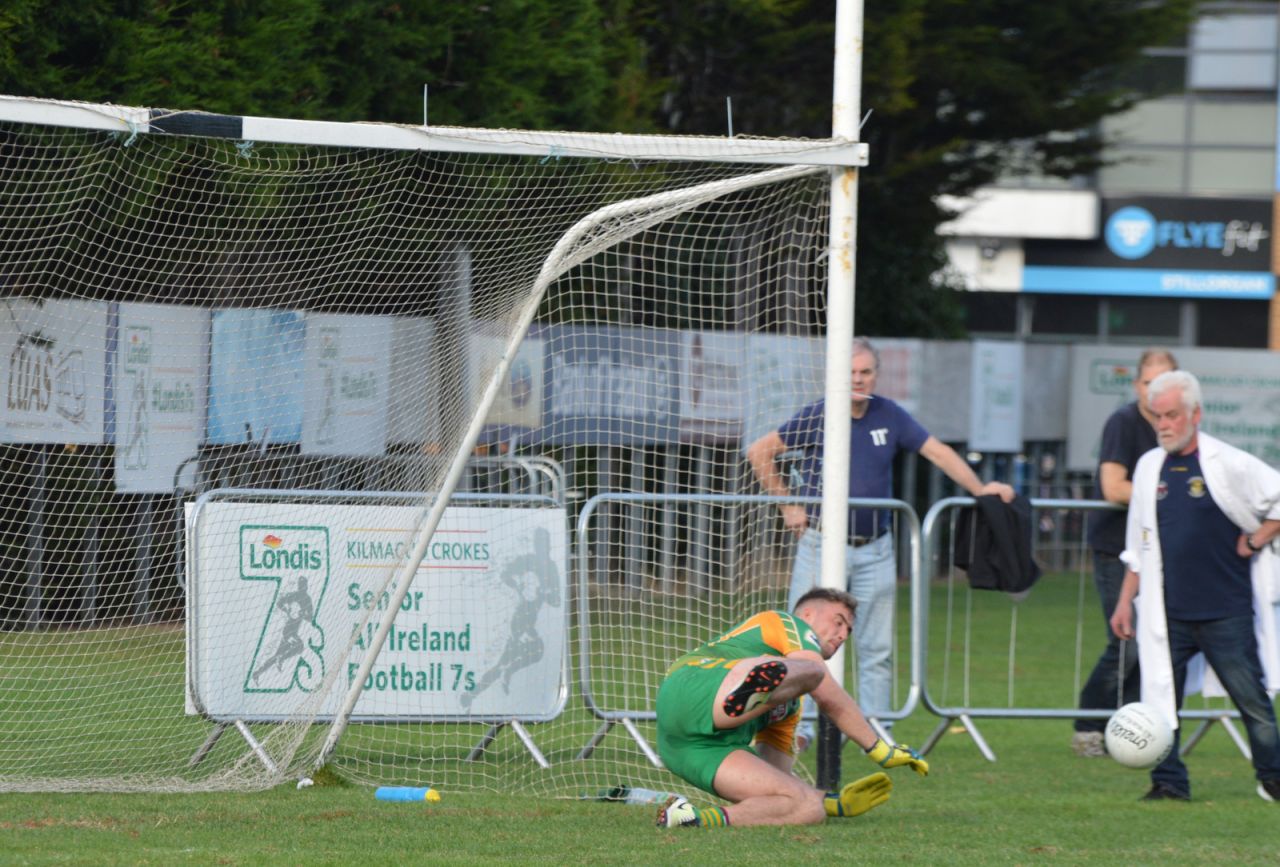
(285, 595)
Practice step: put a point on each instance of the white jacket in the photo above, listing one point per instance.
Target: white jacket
(1247, 490)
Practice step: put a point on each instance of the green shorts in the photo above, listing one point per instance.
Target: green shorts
(688, 742)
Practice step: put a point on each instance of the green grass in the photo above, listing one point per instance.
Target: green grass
(1037, 804)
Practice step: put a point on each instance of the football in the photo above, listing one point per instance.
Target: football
(1138, 736)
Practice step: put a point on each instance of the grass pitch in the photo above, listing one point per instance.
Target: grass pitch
(1037, 804)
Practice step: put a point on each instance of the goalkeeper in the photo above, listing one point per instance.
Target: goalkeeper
(727, 715)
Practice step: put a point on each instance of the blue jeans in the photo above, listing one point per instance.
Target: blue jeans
(1099, 691)
(871, 575)
(1229, 645)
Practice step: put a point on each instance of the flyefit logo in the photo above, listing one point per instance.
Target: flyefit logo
(290, 648)
(1133, 232)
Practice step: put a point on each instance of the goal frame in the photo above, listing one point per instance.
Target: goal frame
(790, 158)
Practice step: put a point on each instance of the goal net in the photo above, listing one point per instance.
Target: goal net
(415, 453)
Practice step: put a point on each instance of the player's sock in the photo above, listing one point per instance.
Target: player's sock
(677, 812)
(713, 817)
(755, 688)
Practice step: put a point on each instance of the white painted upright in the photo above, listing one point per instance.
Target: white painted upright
(846, 104)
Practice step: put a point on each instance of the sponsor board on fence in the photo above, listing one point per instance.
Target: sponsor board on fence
(53, 355)
(518, 401)
(345, 392)
(995, 410)
(1241, 394)
(256, 376)
(156, 401)
(281, 592)
(611, 386)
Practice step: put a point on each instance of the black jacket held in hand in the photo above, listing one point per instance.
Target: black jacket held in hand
(993, 543)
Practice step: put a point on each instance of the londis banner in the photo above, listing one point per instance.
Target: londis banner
(1240, 391)
(157, 395)
(345, 384)
(280, 593)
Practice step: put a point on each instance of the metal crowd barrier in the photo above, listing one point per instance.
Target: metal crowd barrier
(682, 606)
(1063, 559)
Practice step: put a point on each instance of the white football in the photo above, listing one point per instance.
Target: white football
(1138, 736)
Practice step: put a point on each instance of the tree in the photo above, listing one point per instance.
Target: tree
(516, 63)
(960, 93)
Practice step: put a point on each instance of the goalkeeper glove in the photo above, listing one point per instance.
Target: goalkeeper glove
(888, 755)
(859, 796)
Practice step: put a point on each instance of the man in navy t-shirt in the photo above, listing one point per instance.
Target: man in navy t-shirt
(1128, 434)
(880, 428)
(1200, 520)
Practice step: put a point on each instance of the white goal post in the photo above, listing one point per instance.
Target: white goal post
(350, 325)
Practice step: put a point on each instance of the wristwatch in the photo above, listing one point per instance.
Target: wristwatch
(1248, 540)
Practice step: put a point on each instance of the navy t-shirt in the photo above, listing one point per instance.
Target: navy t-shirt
(1126, 437)
(1204, 578)
(874, 441)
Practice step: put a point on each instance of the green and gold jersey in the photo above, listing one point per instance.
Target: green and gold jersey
(769, 633)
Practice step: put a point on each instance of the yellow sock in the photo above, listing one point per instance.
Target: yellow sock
(712, 817)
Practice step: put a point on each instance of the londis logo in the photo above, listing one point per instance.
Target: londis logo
(1111, 377)
(329, 343)
(137, 346)
(274, 550)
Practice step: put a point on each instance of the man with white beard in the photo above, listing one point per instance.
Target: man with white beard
(1201, 521)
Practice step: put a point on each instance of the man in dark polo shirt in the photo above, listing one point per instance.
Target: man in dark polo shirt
(1128, 434)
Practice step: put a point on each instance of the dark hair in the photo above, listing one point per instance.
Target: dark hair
(829, 594)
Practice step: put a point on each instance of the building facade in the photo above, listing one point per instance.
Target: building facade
(1173, 242)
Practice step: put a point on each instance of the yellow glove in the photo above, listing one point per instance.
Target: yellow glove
(888, 755)
(860, 796)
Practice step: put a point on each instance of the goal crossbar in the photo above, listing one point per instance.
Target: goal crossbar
(133, 120)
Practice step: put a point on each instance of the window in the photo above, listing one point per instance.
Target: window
(1144, 317)
(1065, 314)
(1240, 324)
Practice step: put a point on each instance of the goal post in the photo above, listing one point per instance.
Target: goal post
(251, 365)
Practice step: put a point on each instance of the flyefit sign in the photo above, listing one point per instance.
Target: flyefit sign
(1170, 247)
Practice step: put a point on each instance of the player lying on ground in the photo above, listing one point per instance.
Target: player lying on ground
(727, 715)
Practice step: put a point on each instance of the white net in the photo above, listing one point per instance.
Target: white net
(240, 372)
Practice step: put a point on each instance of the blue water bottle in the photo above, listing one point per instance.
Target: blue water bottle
(407, 793)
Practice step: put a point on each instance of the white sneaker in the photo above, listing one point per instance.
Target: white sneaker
(677, 812)
(1089, 745)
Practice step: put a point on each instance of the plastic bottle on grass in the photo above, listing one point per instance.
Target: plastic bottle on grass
(628, 795)
(406, 793)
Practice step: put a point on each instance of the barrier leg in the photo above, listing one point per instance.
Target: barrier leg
(1189, 743)
(529, 745)
(478, 749)
(208, 744)
(256, 747)
(630, 726)
(967, 721)
(586, 751)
